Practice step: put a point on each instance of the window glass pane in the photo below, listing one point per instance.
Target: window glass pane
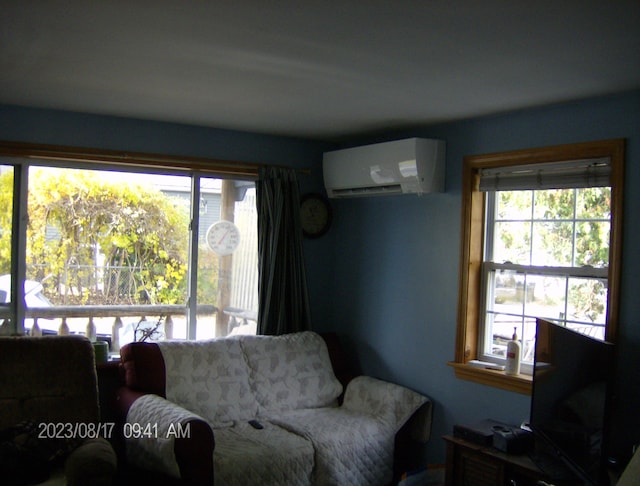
(500, 328)
(513, 205)
(6, 228)
(508, 292)
(499, 331)
(587, 301)
(552, 244)
(592, 244)
(528, 340)
(103, 238)
(244, 294)
(208, 268)
(594, 330)
(594, 203)
(504, 312)
(546, 296)
(228, 257)
(512, 242)
(491, 336)
(554, 204)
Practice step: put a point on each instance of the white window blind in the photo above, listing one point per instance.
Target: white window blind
(554, 175)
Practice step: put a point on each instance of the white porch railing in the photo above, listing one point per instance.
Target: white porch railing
(91, 312)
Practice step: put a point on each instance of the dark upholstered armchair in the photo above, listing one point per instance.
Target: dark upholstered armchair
(46, 383)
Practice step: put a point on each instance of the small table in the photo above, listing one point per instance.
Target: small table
(470, 463)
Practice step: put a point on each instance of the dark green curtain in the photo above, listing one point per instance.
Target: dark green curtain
(282, 283)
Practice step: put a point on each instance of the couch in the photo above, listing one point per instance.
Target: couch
(264, 410)
(49, 413)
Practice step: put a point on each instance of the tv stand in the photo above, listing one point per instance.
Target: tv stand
(470, 463)
(552, 466)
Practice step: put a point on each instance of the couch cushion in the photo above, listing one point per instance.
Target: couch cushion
(290, 371)
(209, 378)
(350, 447)
(273, 456)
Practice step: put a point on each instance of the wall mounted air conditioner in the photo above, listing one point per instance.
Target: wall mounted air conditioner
(410, 166)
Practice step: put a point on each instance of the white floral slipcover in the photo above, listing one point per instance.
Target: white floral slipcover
(287, 383)
(150, 433)
(209, 378)
(291, 371)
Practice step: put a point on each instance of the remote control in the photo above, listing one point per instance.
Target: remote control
(255, 424)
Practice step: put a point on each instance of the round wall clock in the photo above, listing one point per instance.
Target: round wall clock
(223, 237)
(315, 215)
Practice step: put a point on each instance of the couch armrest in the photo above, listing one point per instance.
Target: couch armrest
(164, 437)
(92, 462)
(395, 404)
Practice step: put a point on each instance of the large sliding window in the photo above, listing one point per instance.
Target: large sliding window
(122, 252)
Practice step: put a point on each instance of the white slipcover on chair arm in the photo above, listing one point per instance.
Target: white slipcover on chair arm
(392, 403)
(152, 425)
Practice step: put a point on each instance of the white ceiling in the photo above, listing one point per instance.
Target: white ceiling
(323, 69)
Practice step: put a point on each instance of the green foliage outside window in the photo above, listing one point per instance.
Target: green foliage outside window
(77, 216)
(6, 218)
(558, 228)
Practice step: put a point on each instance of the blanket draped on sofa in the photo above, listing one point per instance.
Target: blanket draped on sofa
(287, 383)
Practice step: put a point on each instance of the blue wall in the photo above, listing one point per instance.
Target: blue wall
(385, 277)
(395, 266)
(63, 128)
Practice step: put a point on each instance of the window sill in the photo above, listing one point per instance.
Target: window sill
(519, 383)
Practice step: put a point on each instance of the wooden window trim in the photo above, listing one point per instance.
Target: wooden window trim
(141, 160)
(472, 240)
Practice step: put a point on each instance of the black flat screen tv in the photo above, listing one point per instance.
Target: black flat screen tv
(569, 404)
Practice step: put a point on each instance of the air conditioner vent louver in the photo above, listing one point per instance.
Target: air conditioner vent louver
(368, 191)
(410, 166)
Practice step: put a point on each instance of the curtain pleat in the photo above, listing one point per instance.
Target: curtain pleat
(282, 283)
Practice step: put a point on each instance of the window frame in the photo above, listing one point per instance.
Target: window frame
(97, 159)
(472, 249)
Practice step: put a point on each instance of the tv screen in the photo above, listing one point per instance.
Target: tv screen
(571, 391)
